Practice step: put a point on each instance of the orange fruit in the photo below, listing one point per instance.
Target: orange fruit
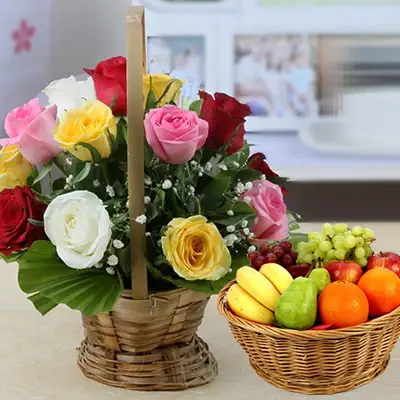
(343, 304)
(382, 287)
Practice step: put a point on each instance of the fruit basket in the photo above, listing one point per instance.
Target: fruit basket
(328, 331)
(315, 362)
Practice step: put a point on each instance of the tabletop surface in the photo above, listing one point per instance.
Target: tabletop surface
(38, 354)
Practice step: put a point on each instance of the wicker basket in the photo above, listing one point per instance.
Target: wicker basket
(315, 362)
(149, 345)
(148, 341)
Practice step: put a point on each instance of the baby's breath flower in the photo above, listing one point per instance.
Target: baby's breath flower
(230, 213)
(251, 249)
(69, 179)
(110, 270)
(247, 199)
(250, 235)
(193, 163)
(148, 234)
(263, 177)
(235, 164)
(246, 231)
(223, 167)
(147, 181)
(244, 223)
(110, 191)
(147, 200)
(98, 265)
(230, 228)
(200, 174)
(112, 260)
(248, 186)
(191, 189)
(118, 244)
(141, 219)
(96, 183)
(167, 184)
(208, 166)
(240, 188)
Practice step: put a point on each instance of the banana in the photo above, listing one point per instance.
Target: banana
(277, 275)
(258, 286)
(247, 307)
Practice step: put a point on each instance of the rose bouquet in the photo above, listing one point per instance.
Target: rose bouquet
(208, 202)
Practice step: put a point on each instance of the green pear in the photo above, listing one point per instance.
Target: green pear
(297, 307)
(321, 278)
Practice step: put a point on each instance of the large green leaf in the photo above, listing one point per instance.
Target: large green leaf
(43, 304)
(296, 237)
(212, 195)
(89, 290)
(240, 210)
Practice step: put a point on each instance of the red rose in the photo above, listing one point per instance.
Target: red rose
(258, 163)
(110, 80)
(225, 117)
(16, 232)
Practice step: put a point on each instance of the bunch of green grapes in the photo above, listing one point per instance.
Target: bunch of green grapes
(337, 242)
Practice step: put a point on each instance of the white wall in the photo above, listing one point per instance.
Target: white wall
(85, 32)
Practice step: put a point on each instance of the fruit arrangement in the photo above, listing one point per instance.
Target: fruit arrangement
(331, 280)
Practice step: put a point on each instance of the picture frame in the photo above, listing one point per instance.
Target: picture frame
(319, 21)
(192, 6)
(182, 30)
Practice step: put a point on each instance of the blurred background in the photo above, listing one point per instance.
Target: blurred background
(325, 101)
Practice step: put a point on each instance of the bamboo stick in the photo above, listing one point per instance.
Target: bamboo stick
(135, 24)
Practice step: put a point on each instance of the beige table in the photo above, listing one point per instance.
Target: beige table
(38, 357)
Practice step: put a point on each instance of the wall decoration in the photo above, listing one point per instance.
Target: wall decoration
(191, 5)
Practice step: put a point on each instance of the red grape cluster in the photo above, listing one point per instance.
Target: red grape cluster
(281, 253)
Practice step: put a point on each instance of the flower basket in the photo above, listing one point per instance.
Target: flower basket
(315, 361)
(149, 344)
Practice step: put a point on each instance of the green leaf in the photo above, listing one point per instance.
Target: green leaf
(212, 195)
(113, 101)
(148, 154)
(43, 172)
(241, 157)
(36, 223)
(151, 100)
(13, 257)
(58, 184)
(166, 90)
(248, 175)
(36, 187)
(112, 141)
(122, 130)
(43, 304)
(90, 290)
(96, 156)
(296, 237)
(196, 106)
(242, 211)
(83, 174)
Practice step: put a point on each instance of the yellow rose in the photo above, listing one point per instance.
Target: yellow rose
(87, 124)
(159, 84)
(14, 168)
(196, 249)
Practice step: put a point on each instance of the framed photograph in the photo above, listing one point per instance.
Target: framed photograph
(186, 52)
(275, 74)
(187, 6)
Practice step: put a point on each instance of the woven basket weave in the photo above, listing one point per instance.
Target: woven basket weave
(315, 362)
(149, 345)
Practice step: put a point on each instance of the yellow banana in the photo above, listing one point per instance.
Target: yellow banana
(258, 286)
(247, 307)
(277, 275)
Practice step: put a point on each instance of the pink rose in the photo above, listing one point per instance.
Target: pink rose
(31, 127)
(175, 134)
(272, 223)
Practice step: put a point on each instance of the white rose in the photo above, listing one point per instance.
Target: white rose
(68, 93)
(78, 224)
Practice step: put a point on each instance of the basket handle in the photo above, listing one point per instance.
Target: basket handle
(136, 67)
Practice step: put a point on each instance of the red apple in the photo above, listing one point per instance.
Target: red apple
(348, 271)
(385, 260)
